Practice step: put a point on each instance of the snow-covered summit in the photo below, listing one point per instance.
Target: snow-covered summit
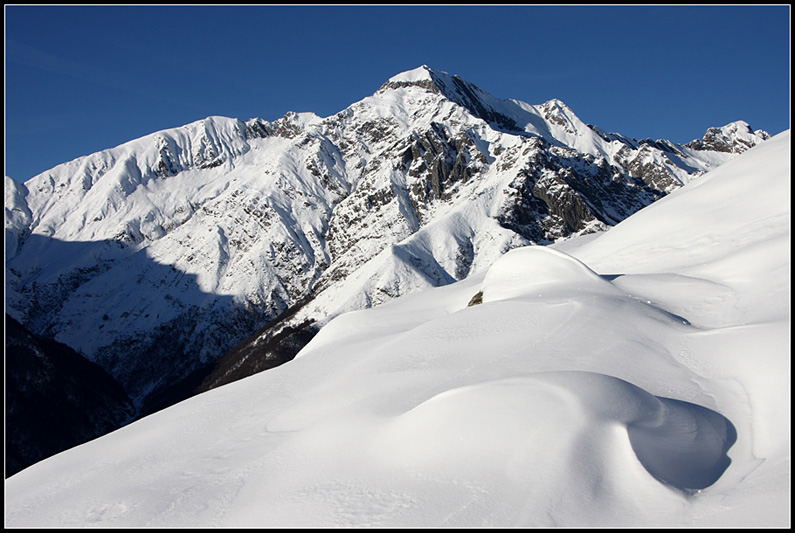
(735, 137)
(155, 257)
(559, 126)
(421, 73)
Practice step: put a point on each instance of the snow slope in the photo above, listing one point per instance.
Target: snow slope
(638, 378)
(156, 257)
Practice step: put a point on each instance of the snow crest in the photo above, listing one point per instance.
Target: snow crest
(681, 444)
(540, 271)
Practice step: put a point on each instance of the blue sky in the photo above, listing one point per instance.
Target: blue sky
(79, 79)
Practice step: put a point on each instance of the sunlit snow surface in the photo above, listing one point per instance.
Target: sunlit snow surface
(638, 378)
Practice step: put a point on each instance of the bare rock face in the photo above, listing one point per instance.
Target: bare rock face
(155, 258)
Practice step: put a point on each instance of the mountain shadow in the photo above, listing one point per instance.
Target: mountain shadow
(55, 399)
(272, 345)
(147, 325)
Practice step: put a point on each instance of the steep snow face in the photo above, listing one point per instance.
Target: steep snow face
(108, 182)
(209, 230)
(639, 377)
(18, 216)
(155, 257)
(419, 74)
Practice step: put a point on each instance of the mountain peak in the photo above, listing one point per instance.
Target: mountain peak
(421, 73)
(734, 138)
(218, 227)
(480, 103)
(423, 77)
(555, 104)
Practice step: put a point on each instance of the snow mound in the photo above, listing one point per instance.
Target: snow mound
(537, 423)
(539, 271)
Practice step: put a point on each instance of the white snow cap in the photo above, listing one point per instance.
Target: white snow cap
(418, 74)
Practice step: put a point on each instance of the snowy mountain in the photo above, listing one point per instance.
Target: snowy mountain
(637, 377)
(156, 257)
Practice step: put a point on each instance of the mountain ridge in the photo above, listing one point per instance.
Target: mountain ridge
(217, 227)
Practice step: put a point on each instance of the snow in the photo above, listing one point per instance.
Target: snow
(212, 214)
(421, 73)
(17, 214)
(636, 378)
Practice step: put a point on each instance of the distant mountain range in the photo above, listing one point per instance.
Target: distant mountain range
(201, 254)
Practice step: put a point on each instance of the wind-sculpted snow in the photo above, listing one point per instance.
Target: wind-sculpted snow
(424, 412)
(539, 271)
(582, 420)
(578, 393)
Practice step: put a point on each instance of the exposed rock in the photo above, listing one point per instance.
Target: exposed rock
(733, 138)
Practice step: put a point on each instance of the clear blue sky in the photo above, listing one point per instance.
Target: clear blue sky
(83, 79)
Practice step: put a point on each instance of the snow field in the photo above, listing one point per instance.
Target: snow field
(638, 379)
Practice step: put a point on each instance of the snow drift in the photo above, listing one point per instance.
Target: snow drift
(636, 378)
